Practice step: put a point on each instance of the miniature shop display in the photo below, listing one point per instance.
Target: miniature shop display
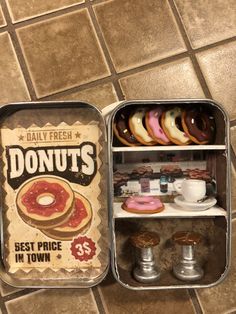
(143, 186)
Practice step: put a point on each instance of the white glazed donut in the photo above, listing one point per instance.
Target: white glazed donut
(137, 128)
(168, 122)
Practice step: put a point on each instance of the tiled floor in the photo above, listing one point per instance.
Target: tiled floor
(103, 51)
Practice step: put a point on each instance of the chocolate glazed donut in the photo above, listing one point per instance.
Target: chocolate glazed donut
(122, 131)
(199, 126)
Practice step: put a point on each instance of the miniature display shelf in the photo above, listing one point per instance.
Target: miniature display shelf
(168, 148)
(171, 211)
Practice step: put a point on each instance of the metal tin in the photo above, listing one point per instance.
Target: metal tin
(54, 215)
(215, 250)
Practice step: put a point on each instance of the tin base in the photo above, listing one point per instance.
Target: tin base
(188, 271)
(147, 275)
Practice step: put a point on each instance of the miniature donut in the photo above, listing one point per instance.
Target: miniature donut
(142, 171)
(171, 129)
(152, 120)
(120, 178)
(45, 202)
(143, 205)
(122, 131)
(137, 128)
(199, 127)
(77, 223)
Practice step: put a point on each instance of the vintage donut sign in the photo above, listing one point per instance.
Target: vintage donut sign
(52, 197)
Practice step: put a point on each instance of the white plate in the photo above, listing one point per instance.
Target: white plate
(209, 202)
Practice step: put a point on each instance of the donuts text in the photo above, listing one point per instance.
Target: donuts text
(73, 162)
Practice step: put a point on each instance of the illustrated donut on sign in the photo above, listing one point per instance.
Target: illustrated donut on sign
(77, 223)
(45, 202)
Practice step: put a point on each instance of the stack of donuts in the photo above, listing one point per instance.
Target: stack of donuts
(163, 126)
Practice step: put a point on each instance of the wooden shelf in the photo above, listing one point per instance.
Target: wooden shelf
(168, 148)
(171, 210)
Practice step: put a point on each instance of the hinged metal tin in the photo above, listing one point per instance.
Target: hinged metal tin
(214, 224)
(55, 203)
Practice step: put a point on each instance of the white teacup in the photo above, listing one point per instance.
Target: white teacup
(192, 190)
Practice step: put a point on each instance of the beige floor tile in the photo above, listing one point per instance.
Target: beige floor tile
(221, 299)
(233, 138)
(172, 80)
(208, 21)
(219, 67)
(100, 96)
(62, 52)
(13, 87)
(71, 301)
(25, 9)
(117, 300)
(233, 189)
(6, 289)
(2, 18)
(138, 32)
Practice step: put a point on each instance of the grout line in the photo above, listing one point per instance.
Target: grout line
(153, 64)
(233, 123)
(79, 88)
(18, 51)
(191, 51)
(3, 29)
(98, 300)
(19, 294)
(102, 299)
(101, 38)
(105, 50)
(185, 35)
(233, 156)
(200, 77)
(194, 299)
(3, 308)
(96, 1)
(48, 15)
(13, 296)
(216, 44)
(115, 78)
(118, 90)
(180, 25)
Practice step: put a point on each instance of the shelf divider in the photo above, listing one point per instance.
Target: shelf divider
(168, 148)
(171, 211)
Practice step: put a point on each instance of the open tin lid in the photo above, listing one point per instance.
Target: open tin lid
(54, 228)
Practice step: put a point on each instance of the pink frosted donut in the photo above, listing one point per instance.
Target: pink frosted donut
(152, 121)
(143, 205)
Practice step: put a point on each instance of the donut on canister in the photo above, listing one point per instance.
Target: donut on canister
(136, 124)
(152, 120)
(199, 126)
(45, 202)
(171, 129)
(121, 129)
(77, 223)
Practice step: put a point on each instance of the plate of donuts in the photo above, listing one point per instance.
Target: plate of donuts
(163, 126)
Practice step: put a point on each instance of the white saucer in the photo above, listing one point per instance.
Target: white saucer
(191, 206)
